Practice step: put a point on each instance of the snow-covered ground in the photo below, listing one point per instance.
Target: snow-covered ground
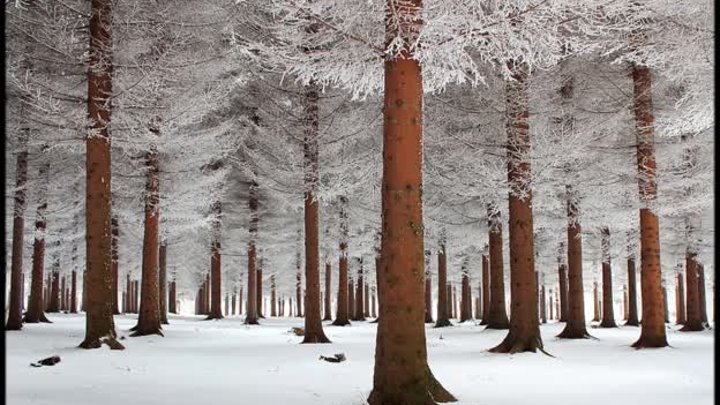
(225, 362)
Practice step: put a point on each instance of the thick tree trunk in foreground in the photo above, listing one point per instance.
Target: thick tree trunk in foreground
(632, 294)
(114, 225)
(100, 326)
(251, 317)
(149, 315)
(443, 312)
(313, 320)
(162, 281)
(693, 321)
(564, 307)
(485, 290)
(402, 375)
(524, 333)
(38, 298)
(652, 332)
(608, 316)
(328, 284)
(15, 316)
(341, 314)
(575, 327)
(497, 317)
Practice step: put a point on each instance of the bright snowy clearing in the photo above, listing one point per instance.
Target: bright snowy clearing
(221, 362)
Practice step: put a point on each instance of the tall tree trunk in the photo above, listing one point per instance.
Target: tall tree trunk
(54, 305)
(497, 317)
(632, 294)
(328, 278)
(128, 295)
(259, 295)
(73, 293)
(298, 287)
(596, 303)
(162, 281)
(543, 303)
(63, 288)
(608, 316)
(359, 313)
(652, 332)
(38, 297)
(216, 266)
(313, 320)
(100, 326)
(366, 299)
(564, 307)
(701, 295)
(240, 299)
(679, 299)
(443, 313)
(625, 303)
(428, 292)
(665, 304)
(341, 314)
(15, 316)
(524, 333)
(693, 321)
(373, 312)
(273, 296)
(465, 297)
(149, 315)
(351, 296)
(402, 374)
(172, 300)
(115, 227)
(575, 327)
(233, 304)
(450, 306)
(251, 317)
(486, 295)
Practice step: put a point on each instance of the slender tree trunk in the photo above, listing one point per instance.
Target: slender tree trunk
(128, 298)
(38, 298)
(240, 299)
(550, 304)
(216, 266)
(115, 227)
(497, 316)
(524, 333)
(373, 312)
(63, 289)
(564, 307)
(665, 304)
(100, 326)
(652, 332)
(693, 321)
(328, 288)
(273, 296)
(233, 304)
(251, 317)
(679, 300)
(360, 296)
(575, 327)
(486, 292)
(543, 303)
(443, 313)
(701, 295)
(149, 314)
(450, 312)
(342, 315)
(632, 294)
(465, 297)
(15, 316)
(351, 296)
(172, 299)
(596, 303)
(298, 287)
(402, 374)
(608, 316)
(73, 293)
(428, 294)
(162, 281)
(54, 305)
(366, 300)
(625, 303)
(259, 295)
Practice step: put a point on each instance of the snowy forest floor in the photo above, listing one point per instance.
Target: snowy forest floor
(226, 362)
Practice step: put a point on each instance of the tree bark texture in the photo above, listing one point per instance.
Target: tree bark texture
(251, 317)
(15, 315)
(497, 317)
(608, 315)
(38, 297)
(443, 311)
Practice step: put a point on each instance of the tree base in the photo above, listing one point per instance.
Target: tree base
(513, 345)
(214, 316)
(632, 322)
(251, 321)
(376, 320)
(483, 322)
(696, 326)
(497, 326)
(42, 318)
(429, 320)
(97, 343)
(432, 393)
(315, 338)
(645, 342)
(608, 324)
(574, 333)
(339, 322)
(443, 323)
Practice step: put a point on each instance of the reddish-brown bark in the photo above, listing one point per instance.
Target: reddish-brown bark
(100, 326)
(15, 315)
(54, 305)
(652, 332)
(701, 295)
(351, 296)
(596, 303)
(443, 305)
(451, 312)
(543, 303)
(608, 314)
(632, 319)
(402, 375)
(485, 290)
(251, 317)
(563, 286)
(465, 297)
(162, 283)
(341, 314)
(575, 327)
(215, 266)
(63, 289)
(359, 312)
(665, 304)
(693, 321)
(172, 299)
(38, 297)
(73, 293)
(114, 225)
(273, 296)
(497, 316)
(679, 300)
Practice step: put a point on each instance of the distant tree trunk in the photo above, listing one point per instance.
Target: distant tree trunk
(596, 303)
(240, 299)
(351, 296)
(373, 312)
(251, 317)
(38, 298)
(402, 374)
(564, 307)
(162, 282)
(54, 305)
(665, 304)
(550, 304)
(129, 298)
(378, 276)
(115, 227)
(443, 313)
(366, 299)
(524, 333)
(632, 294)
(693, 321)
(15, 316)
(63, 289)
(543, 303)
(100, 326)
(298, 287)
(259, 295)
(497, 316)
(172, 300)
(680, 300)
(608, 316)
(149, 315)
(652, 333)
(360, 296)
(216, 266)
(701, 295)
(575, 327)
(124, 301)
(486, 293)
(341, 314)
(465, 297)
(428, 292)
(73, 293)
(625, 303)
(273, 296)
(327, 316)
(450, 305)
